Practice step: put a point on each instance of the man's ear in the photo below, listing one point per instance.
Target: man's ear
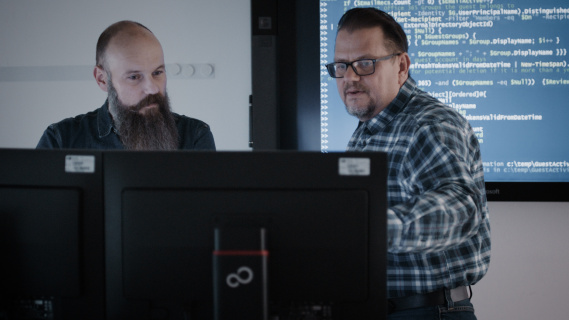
(101, 78)
(404, 65)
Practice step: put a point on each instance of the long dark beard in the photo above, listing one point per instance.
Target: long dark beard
(154, 130)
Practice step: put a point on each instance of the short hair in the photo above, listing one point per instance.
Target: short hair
(107, 35)
(362, 18)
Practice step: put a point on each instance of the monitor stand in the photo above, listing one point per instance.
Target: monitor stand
(240, 273)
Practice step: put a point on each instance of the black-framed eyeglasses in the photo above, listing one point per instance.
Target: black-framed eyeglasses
(362, 67)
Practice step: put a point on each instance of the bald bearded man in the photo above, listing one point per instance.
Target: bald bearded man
(137, 114)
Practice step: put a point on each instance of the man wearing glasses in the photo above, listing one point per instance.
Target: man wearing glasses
(438, 226)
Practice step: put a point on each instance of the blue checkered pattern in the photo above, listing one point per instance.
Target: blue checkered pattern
(438, 224)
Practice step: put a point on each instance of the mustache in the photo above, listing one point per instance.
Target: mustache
(157, 98)
(354, 86)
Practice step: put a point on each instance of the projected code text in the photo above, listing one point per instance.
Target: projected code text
(500, 63)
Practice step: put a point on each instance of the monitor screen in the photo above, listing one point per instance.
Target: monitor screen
(323, 219)
(51, 235)
(501, 64)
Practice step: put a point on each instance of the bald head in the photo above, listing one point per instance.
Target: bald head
(122, 33)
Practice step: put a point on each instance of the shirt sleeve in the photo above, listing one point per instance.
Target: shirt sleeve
(194, 134)
(51, 139)
(445, 207)
(205, 139)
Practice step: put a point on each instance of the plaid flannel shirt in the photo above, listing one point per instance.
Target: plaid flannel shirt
(438, 224)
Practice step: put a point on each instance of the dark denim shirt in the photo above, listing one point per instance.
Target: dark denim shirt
(94, 130)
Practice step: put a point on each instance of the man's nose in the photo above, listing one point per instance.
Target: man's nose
(151, 86)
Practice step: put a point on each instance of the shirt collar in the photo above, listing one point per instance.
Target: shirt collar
(104, 121)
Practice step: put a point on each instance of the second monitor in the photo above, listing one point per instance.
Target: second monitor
(323, 217)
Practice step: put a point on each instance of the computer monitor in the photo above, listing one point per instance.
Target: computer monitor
(322, 217)
(51, 235)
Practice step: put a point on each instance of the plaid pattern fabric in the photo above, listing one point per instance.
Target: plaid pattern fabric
(438, 224)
